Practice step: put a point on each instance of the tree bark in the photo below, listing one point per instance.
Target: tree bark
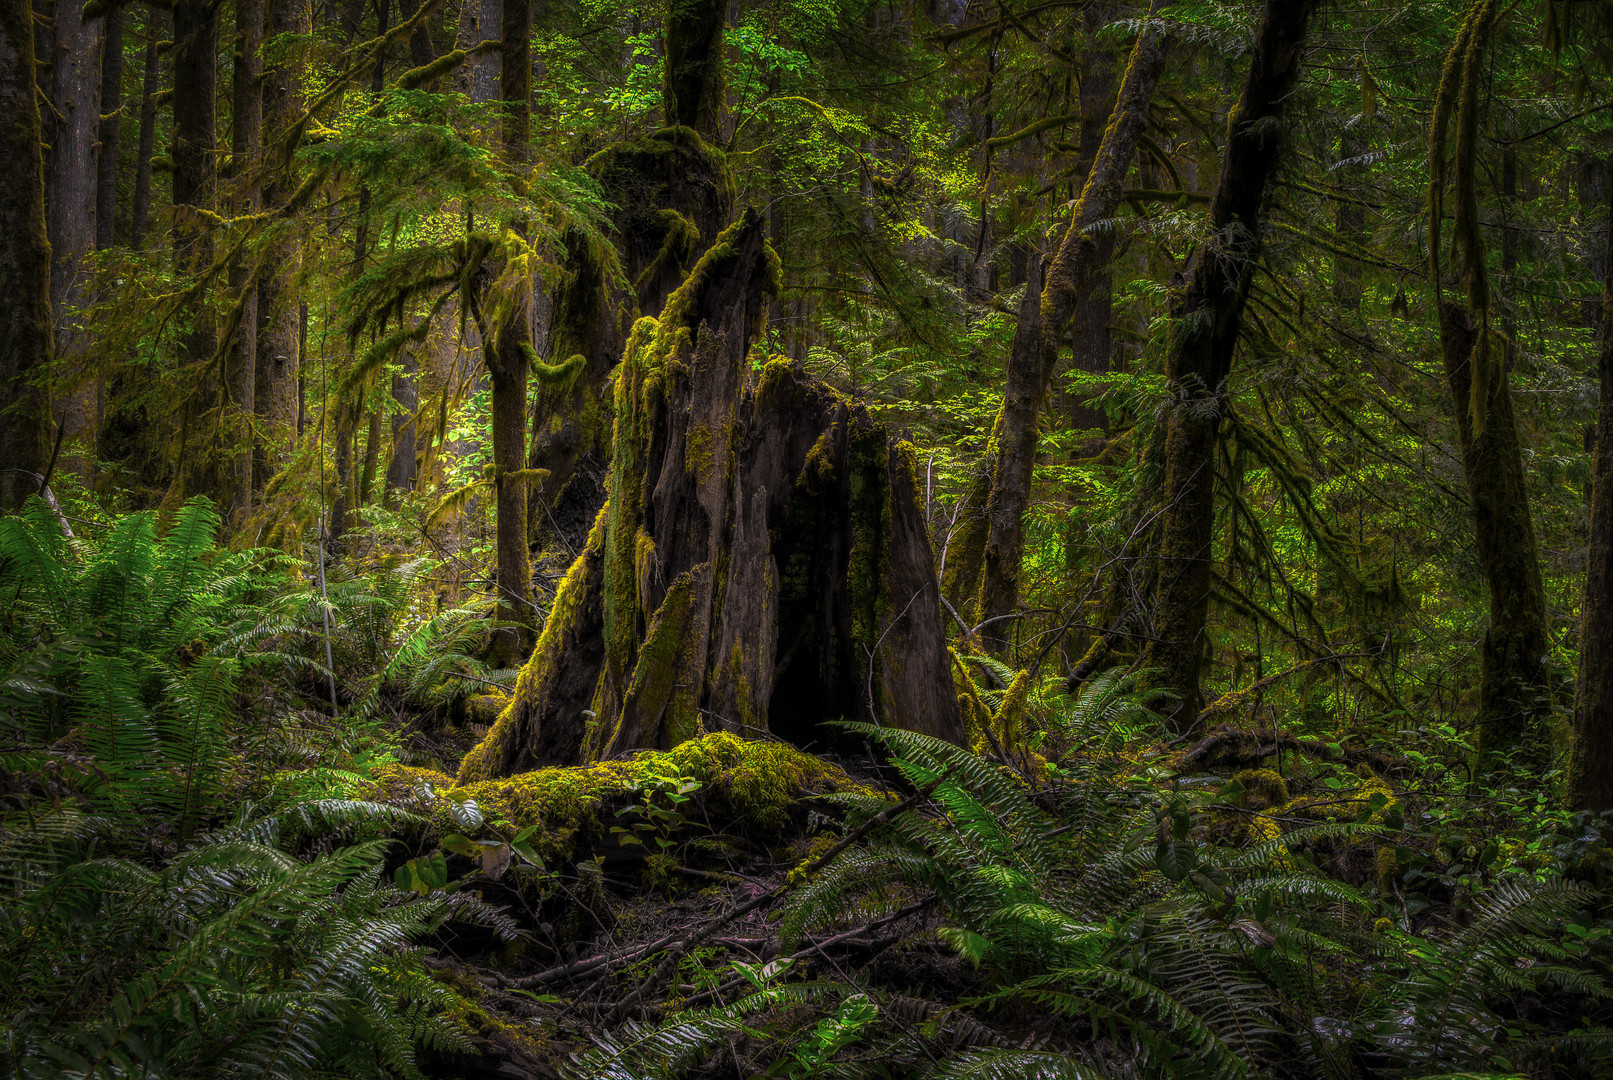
(1590, 766)
(26, 337)
(506, 349)
(70, 202)
(279, 352)
(986, 563)
(150, 79)
(1513, 694)
(672, 195)
(1207, 314)
(240, 380)
(106, 182)
(762, 564)
(692, 93)
(195, 180)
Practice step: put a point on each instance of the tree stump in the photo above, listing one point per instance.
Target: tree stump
(761, 564)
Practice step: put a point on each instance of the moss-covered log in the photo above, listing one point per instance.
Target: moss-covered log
(761, 565)
(672, 193)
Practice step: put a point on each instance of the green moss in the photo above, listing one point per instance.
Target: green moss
(698, 456)
(1262, 789)
(751, 782)
(491, 755)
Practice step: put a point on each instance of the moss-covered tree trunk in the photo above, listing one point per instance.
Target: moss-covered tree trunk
(672, 193)
(26, 347)
(983, 566)
(279, 349)
(146, 142)
(241, 373)
(1590, 767)
(1206, 314)
(692, 92)
(1513, 697)
(195, 191)
(762, 564)
(505, 350)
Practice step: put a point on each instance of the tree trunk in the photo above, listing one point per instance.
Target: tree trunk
(672, 195)
(986, 555)
(400, 469)
(195, 189)
(106, 181)
(692, 94)
(279, 352)
(70, 202)
(1590, 767)
(762, 564)
(1207, 315)
(1091, 346)
(147, 144)
(1513, 694)
(240, 380)
(506, 349)
(26, 337)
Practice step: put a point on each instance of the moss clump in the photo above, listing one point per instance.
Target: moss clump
(1262, 789)
(742, 781)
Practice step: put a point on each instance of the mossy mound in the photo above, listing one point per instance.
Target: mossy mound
(752, 784)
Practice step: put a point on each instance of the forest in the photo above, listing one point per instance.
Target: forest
(806, 539)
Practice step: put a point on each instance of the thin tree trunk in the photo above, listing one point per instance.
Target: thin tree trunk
(506, 348)
(106, 182)
(245, 140)
(1090, 341)
(150, 79)
(400, 470)
(195, 180)
(1513, 693)
(999, 534)
(1590, 766)
(70, 203)
(279, 352)
(26, 338)
(1207, 315)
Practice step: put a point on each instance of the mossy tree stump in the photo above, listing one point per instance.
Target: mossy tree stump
(672, 193)
(761, 564)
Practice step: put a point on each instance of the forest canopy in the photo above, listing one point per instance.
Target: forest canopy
(806, 538)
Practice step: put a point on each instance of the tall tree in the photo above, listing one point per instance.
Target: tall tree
(106, 182)
(26, 338)
(692, 92)
(1590, 767)
(246, 132)
(506, 347)
(70, 201)
(279, 351)
(146, 145)
(1207, 315)
(991, 549)
(1513, 701)
(195, 190)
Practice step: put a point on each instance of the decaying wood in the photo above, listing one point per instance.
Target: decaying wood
(762, 564)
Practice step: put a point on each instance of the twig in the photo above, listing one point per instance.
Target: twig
(676, 952)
